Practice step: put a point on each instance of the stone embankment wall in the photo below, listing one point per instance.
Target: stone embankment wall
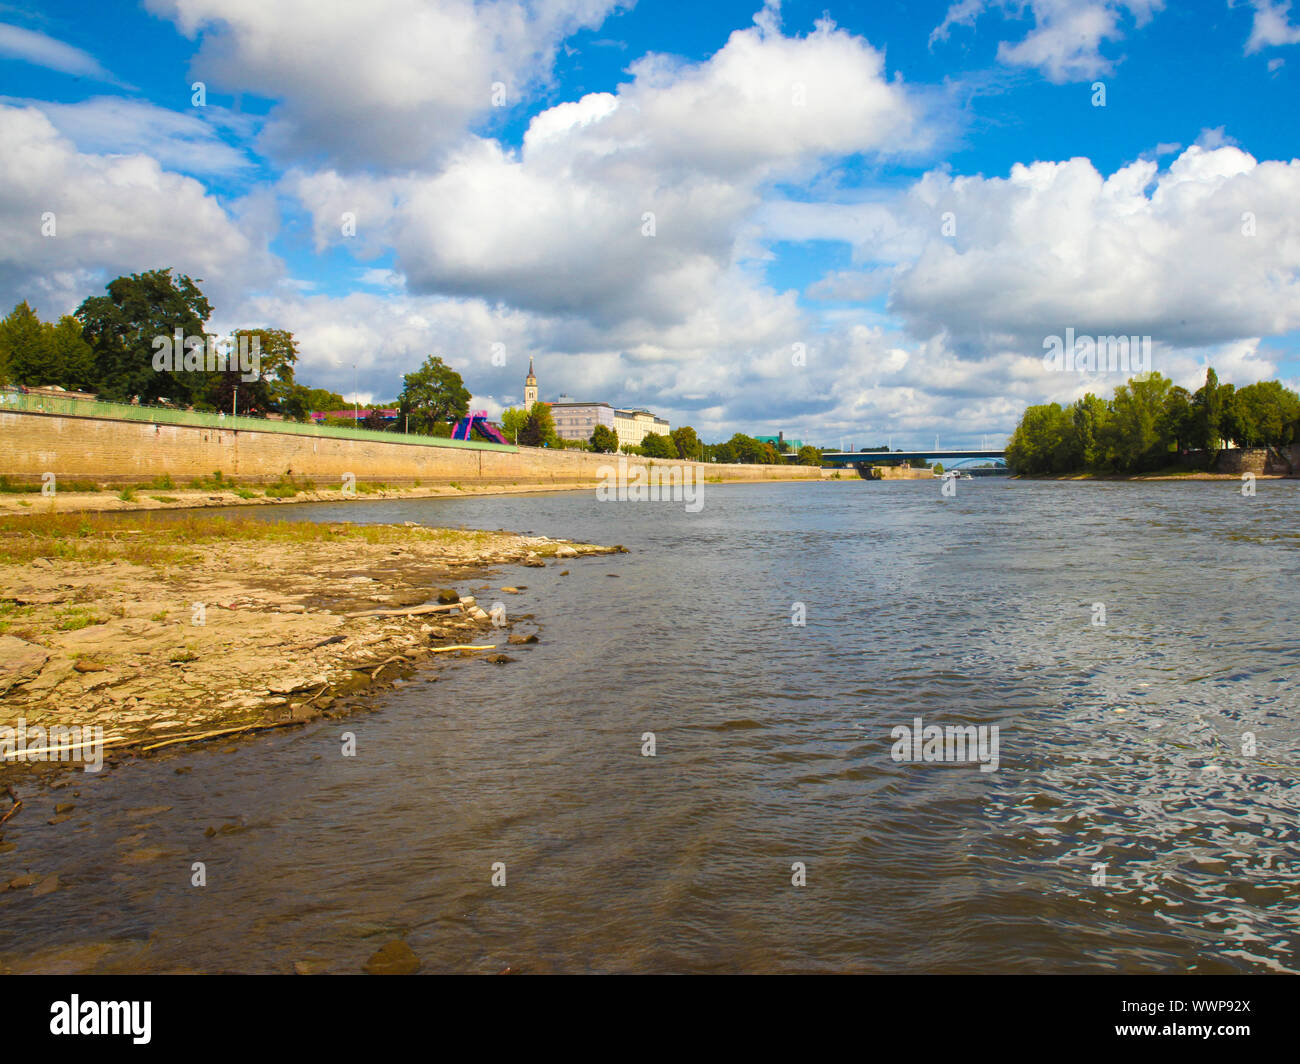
(125, 452)
(1262, 461)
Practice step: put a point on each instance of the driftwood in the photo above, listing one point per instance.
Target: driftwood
(34, 755)
(18, 804)
(410, 611)
(219, 732)
(443, 650)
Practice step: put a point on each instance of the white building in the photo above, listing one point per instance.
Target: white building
(632, 426)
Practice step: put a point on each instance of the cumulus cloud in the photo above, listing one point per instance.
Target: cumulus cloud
(1065, 43)
(113, 215)
(630, 206)
(387, 82)
(1204, 252)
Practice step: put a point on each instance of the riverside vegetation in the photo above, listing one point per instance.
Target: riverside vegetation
(1149, 423)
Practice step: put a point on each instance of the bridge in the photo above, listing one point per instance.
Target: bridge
(860, 460)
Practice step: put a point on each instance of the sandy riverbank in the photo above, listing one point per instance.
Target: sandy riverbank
(162, 630)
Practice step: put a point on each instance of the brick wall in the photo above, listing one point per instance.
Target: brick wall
(123, 452)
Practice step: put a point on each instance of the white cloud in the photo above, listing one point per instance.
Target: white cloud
(1065, 43)
(114, 215)
(560, 227)
(386, 82)
(1271, 27)
(45, 51)
(1146, 252)
(115, 125)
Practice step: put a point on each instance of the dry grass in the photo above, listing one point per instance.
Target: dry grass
(158, 541)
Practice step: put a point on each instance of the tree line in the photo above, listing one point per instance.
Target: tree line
(109, 346)
(1149, 423)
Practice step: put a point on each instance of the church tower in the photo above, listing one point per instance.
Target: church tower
(530, 386)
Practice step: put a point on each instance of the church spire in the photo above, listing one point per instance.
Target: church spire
(530, 386)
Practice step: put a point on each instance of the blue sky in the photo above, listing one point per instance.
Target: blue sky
(799, 161)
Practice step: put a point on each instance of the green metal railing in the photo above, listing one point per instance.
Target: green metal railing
(165, 415)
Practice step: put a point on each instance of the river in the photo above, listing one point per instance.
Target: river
(1142, 816)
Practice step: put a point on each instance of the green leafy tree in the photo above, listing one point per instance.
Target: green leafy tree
(1177, 420)
(539, 429)
(1043, 442)
(1134, 438)
(604, 440)
(1089, 417)
(25, 347)
(121, 328)
(72, 361)
(1271, 411)
(272, 354)
(656, 446)
(688, 443)
(513, 421)
(1207, 406)
(433, 394)
(809, 455)
(1237, 424)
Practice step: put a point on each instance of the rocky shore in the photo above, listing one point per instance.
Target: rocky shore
(164, 629)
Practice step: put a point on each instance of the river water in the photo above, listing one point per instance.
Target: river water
(1143, 815)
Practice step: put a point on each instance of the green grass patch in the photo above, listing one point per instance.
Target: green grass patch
(77, 617)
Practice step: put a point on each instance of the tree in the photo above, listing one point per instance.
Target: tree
(539, 429)
(1089, 418)
(513, 421)
(1207, 406)
(25, 347)
(271, 354)
(1042, 442)
(688, 443)
(1271, 411)
(809, 455)
(1177, 419)
(122, 326)
(604, 440)
(1133, 437)
(434, 393)
(657, 446)
(747, 450)
(1237, 424)
(72, 362)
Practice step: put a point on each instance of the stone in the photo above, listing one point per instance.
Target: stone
(448, 595)
(89, 666)
(565, 552)
(396, 958)
(47, 885)
(520, 640)
(19, 661)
